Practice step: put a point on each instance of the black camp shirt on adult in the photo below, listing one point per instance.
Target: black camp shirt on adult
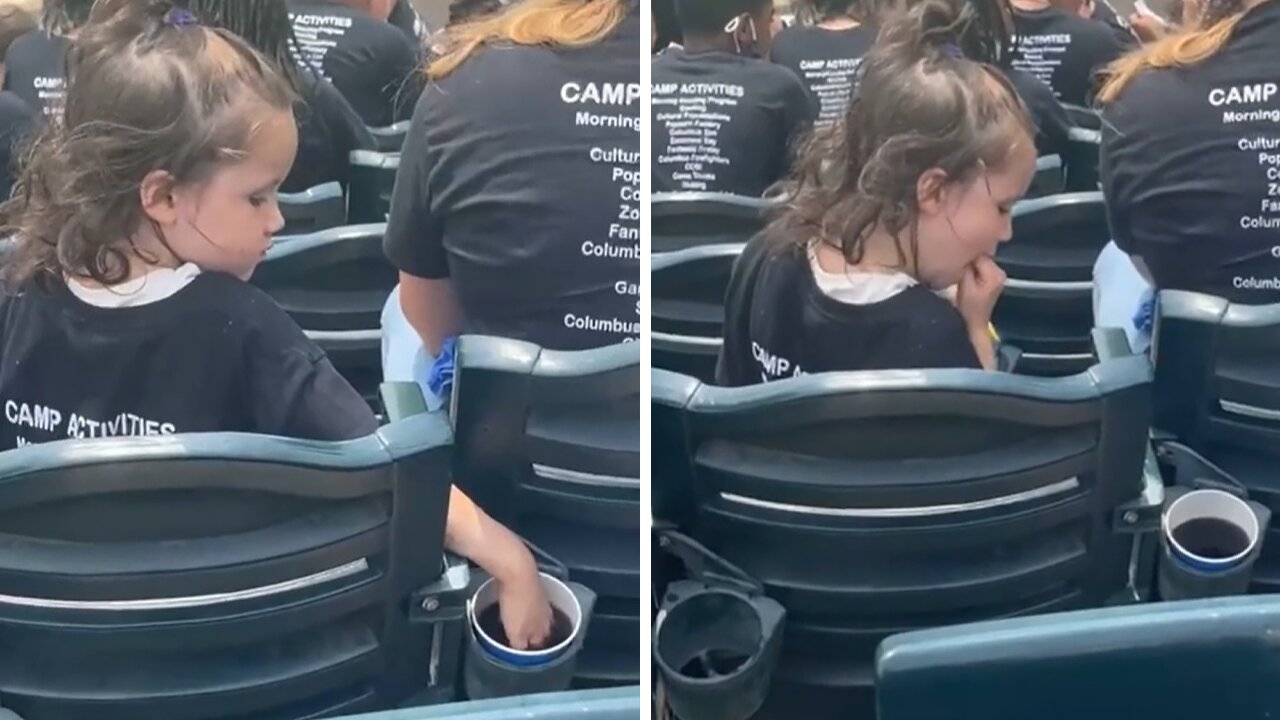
(35, 69)
(219, 355)
(1053, 125)
(826, 61)
(1191, 168)
(1064, 50)
(328, 130)
(520, 181)
(724, 123)
(17, 122)
(372, 63)
(779, 324)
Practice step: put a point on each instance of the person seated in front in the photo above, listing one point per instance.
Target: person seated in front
(1059, 42)
(725, 119)
(138, 219)
(372, 62)
(826, 51)
(35, 64)
(912, 199)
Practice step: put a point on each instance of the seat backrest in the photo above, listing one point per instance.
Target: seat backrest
(873, 501)
(1082, 159)
(603, 704)
(334, 284)
(370, 181)
(318, 208)
(687, 312)
(1083, 117)
(1049, 178)
(1217, 384)
(1046, 308)
(549, 442)
(1200, 659)
(689, 219)
(220, 576)
(390, 139)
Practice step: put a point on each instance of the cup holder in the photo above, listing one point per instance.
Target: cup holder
(716, 650)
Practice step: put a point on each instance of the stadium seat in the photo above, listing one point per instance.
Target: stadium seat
(873, 503)
(1217, 390)
(334, 284)
(1196, 659)
(1049, 178)
(226, 576)
(1082, 158)
(689, 219)
(602, 704)
(1083, 117)
(391, 138)
(548, 442)
(371, 180)
(687, 314)
(318, 208)
(1046, 308)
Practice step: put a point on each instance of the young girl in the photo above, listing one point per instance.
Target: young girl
(137, 221)
(909, 196)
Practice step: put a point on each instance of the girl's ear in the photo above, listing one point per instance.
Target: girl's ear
(931, 188)
(156, 193)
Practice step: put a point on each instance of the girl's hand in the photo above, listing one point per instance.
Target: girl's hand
(525, 612)
(978, 291)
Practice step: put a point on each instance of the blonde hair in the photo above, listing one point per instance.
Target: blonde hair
(1189, 46)
(564, 23)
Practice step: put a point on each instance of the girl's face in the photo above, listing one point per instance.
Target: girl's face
(225, 223)
(961, 222)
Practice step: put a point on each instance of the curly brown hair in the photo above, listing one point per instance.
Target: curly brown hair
(919, 104)
(147, 90)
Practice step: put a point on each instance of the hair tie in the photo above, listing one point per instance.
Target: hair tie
(181, 17)
(953, 50)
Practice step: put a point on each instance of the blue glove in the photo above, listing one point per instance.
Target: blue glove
(440, 374)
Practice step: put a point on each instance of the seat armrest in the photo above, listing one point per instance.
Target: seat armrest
(402, 400)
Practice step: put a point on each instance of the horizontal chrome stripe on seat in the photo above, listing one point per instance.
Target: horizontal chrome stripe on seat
(927, 511)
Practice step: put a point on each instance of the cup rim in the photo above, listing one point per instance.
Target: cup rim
(542, 653)
(662, 662)
(1197, 558)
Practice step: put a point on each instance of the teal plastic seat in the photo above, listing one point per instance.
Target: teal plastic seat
(869, 503)
(225, 576)
(605, 704)
(690, 219)
(687, 312)
(312, 210)
(370, 182)
(1198, 659)
(390, 139)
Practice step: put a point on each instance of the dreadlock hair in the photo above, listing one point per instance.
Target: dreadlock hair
(264, 24)
(986, 35)
(1198, 42)
(60, 17)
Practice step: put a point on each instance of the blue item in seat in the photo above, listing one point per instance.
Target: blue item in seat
(440, 374)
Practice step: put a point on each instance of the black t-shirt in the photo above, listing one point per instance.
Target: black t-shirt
(826, 60)
(1064, 50)
(372, 63)
(1053, 125)
(35, 69)
(779, 324)
(724, 123)
(520, 181)
(17, 120)
(1191, 168)
(218, 355)
(328, 130)
(1107, 15)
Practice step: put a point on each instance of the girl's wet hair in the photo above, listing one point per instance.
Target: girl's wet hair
(264, 24)
(920, 104)
(149, 88)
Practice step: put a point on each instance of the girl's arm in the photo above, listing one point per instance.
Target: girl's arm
(431, 307)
